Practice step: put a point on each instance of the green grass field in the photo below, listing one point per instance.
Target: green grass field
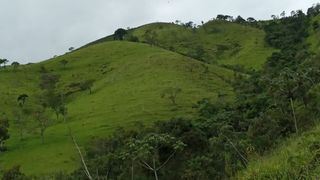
(129, 78)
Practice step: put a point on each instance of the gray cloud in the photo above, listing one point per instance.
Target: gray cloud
(34, 30)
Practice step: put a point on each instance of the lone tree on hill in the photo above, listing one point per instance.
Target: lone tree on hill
(119, 34)
(171, 93)
(22, 99)
(43, 121)
(239, 19)
(50, 97)
(4, 62)
(15, 64)
(87, 85)
(64, 63)
(251, 20)
(21, 114)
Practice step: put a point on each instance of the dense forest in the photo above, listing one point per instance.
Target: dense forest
(279, 101)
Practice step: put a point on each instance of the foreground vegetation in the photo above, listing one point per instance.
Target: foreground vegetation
(296, 158)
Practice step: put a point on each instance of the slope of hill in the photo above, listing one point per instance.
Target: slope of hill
(314, 31)
(219, 42)
(298, 158)
(129, 79)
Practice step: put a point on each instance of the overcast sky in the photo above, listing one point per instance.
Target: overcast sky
(35, 30)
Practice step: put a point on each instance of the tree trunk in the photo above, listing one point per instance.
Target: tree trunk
(131, 170)
(42, 136)
(21, 133)
(155, 169)
(57, 114)
(294, 116)
(173, 100)
(86, 170)
(20, 127)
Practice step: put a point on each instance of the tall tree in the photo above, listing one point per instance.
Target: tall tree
(147, 151)
(43, 121)
(87, 85)
(15, 64)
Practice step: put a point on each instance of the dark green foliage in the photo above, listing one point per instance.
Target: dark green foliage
(251, 20)
(314, 10)
(87, 85)
(290, 32)
(132, 38)
(224, 17)
(15, 64)
(119, 34)
(71, 49)
(4, 132)
(13, 174)
(240, 20)
(22, 99)
(3, 62)
(151, 37)
(189, 24)
(48, 81)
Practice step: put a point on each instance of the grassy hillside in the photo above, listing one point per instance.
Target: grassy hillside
(298, 158)
(129, 78)
(314, 31)
(219, 42)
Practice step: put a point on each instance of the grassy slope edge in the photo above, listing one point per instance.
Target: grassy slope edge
(297, 157)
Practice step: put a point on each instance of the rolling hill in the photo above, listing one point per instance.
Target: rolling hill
(215, 42)
(129, 79)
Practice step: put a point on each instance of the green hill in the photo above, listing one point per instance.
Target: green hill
(297, 158)
(129, 79)
(216, 42)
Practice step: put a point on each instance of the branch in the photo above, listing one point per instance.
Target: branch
(82, 159)
(146, 165)
(166, 161)
(244, 159)
(80, 154)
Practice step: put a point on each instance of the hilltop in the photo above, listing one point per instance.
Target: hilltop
(215, 42)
